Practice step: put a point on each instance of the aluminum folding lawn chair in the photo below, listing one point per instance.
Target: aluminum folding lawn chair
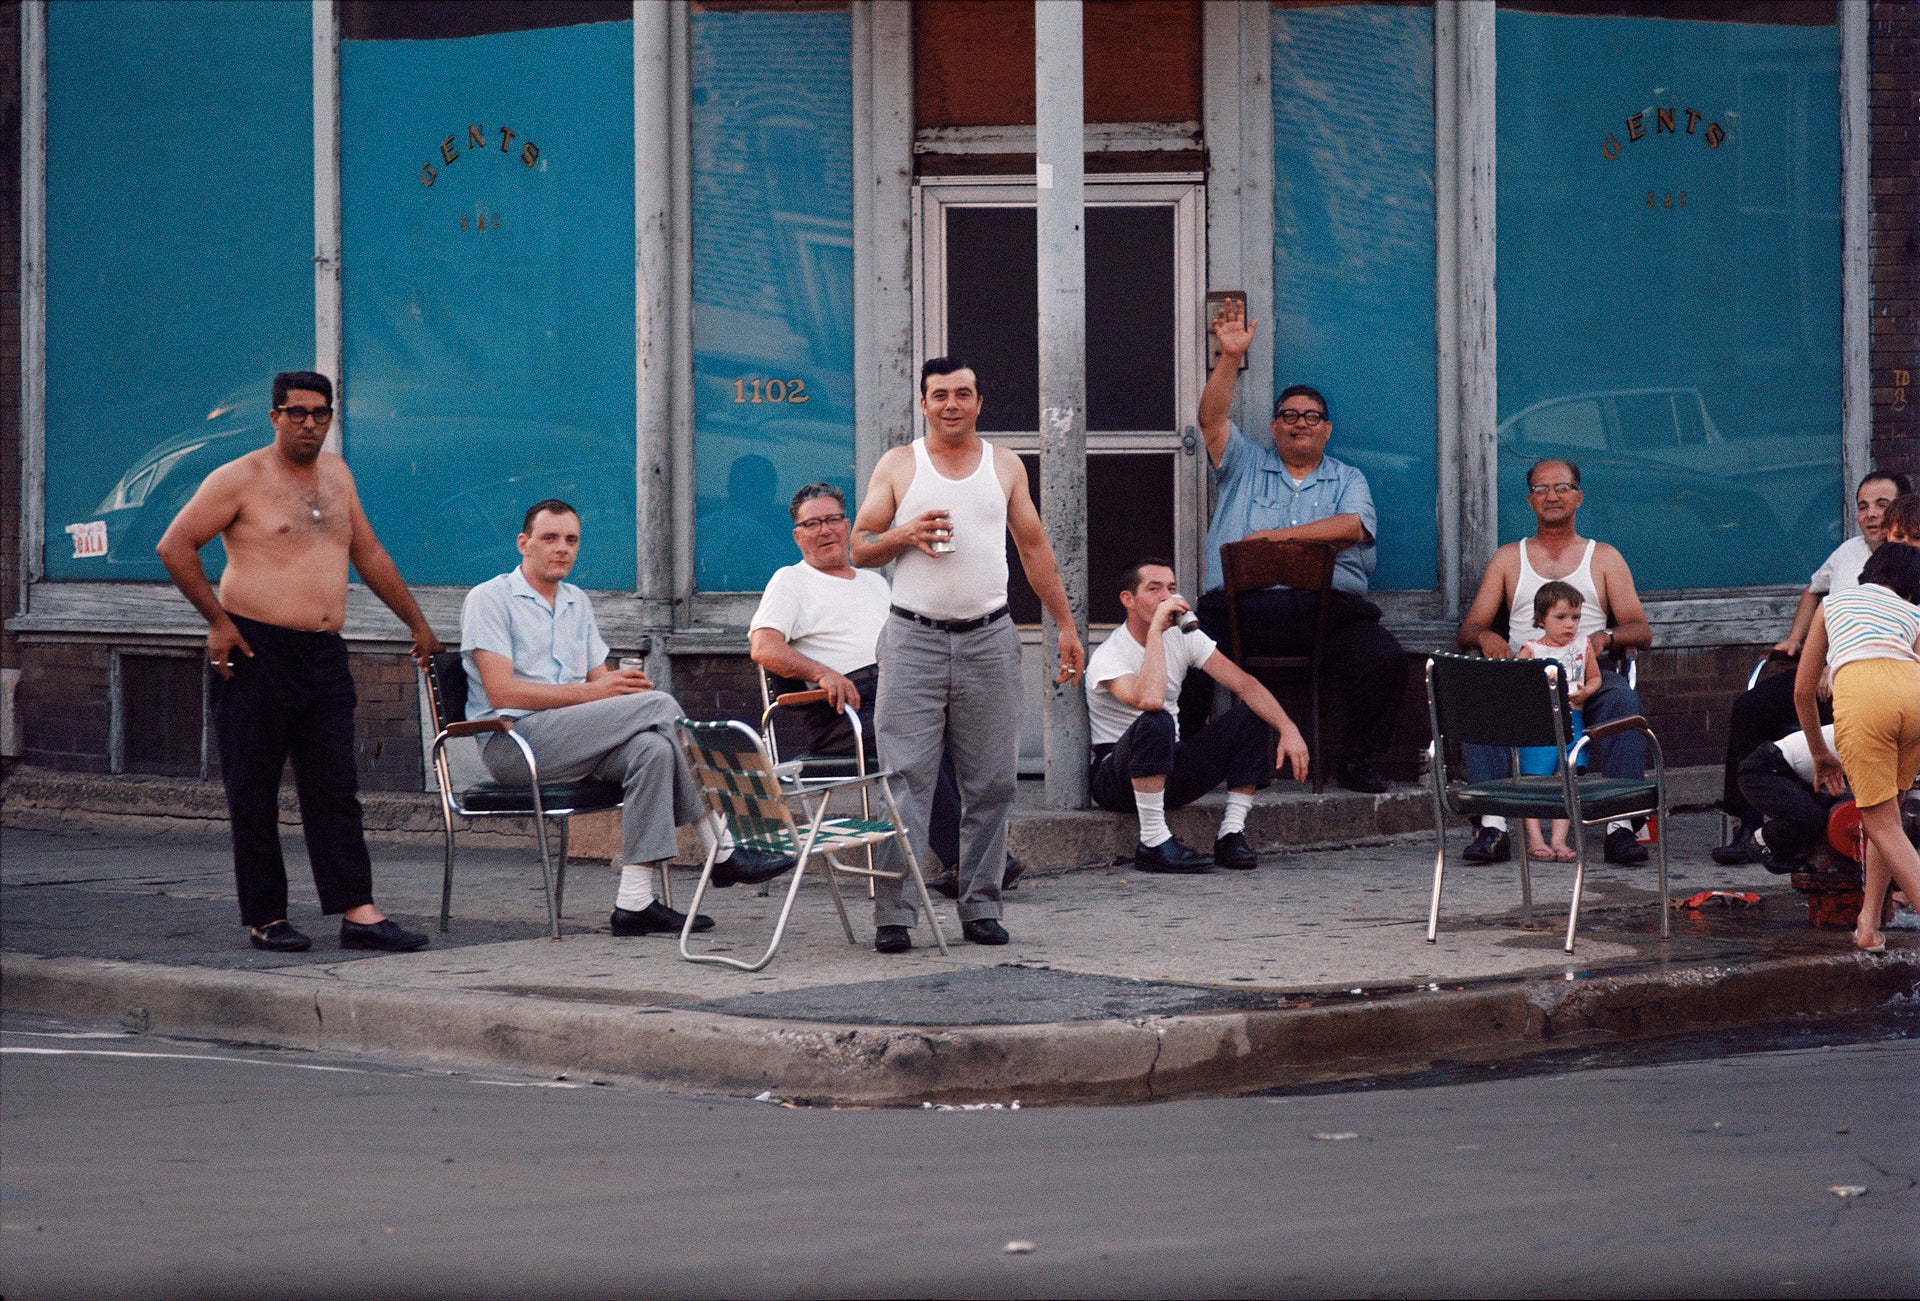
(735, 773)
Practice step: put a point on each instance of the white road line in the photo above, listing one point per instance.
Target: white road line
(182, 1057)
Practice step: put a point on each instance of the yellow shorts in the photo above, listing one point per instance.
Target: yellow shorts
(1876, 727)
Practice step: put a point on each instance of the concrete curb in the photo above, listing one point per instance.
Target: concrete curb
(1083, 1062)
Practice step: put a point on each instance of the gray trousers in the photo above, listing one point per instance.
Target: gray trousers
(625, 739)
(958, 694)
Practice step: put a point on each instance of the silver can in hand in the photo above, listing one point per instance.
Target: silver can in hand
(1186, 620)
(943, 546)
(632, 664)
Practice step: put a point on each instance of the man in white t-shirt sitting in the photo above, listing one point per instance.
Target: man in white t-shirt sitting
(1140, 764)
(818, 625)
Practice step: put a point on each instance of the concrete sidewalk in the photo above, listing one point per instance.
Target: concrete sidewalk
(1117, 985)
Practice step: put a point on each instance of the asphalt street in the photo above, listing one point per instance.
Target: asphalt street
(133, 1165)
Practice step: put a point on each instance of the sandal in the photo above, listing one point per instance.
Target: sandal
(1541, 853)
(1565, 856)
(1879, 944)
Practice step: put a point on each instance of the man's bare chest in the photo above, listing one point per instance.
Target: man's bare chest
(295, 515)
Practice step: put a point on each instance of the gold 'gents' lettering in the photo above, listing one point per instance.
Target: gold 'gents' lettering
(530, 155)
(1692, 117)
(1634, 129)
(1610, 148)
(476, 138)
(427, 174)
(1714, 135)
(506, 138)
(447, 151)
(1663, 120)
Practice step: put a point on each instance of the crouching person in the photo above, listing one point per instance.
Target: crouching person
(533, 653)
(1140, 763)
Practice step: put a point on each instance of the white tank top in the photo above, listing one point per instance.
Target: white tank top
(971, 581)
(1520, 627)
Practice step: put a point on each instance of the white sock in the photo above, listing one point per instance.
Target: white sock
(1153, 817)
(1239, 804)
(636, 887)
(1618, 825)
(1495, 821)
(1759, 841)
(712, 828)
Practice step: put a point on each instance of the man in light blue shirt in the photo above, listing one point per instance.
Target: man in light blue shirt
(534, 654)
(1293, 489)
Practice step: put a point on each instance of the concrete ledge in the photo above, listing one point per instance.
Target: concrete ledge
(1091, 1061)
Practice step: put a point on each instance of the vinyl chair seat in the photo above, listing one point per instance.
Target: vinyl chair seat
(1545, 797)
(558, 797)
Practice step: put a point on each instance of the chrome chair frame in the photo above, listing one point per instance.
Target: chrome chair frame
(794, 700)
(1571, 797)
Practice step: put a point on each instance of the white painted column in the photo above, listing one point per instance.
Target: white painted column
(33, 295)
(328, 339)
(885, 369)
(1446, 302)
(1477, 364)
(1237, 67)
(1856, 286)
(1060, 143)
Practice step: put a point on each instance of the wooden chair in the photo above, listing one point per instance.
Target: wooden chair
(1255, 563)
(1512, 704)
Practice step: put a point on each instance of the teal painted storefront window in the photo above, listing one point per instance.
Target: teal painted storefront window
(1669, 287)
(179, 260)
(1353, 257)
(487, 196)
(772, 281)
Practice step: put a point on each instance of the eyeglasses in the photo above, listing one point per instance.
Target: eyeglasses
(821, 522)
(300, 415)
(1288, 416)
(1559, 489)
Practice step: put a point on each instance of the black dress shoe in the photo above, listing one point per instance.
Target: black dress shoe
(386, 935)
(984, 930)
(655, 919)
(1232, 850)
(1491, 845)
(1738, 850)
(1623, 848)
(278, 937)
(892, 939)
(1170, 856)
(1360, 775)
(749, 867)
(947, 883)
(1015, 870)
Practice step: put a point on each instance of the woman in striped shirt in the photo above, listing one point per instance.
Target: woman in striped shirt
(1870, 635)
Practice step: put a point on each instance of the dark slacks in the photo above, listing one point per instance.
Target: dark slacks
(1365, 662)
(1623, 755)
(1235, 749)
(293, 699)
(1758, 717)
(1795, 812)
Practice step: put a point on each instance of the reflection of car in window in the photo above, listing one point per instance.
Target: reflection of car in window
(1688, 505)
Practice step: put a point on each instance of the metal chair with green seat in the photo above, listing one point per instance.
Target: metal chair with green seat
(1514, 703)
(734, 770)
(447, 698)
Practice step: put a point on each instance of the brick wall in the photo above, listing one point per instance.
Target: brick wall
(717, 686)
(65, 706)
(1894, 50)
(386, 726)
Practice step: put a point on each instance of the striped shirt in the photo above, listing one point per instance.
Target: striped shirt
(1870, 623)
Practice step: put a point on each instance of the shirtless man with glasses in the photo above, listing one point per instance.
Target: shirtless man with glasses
(291, 521)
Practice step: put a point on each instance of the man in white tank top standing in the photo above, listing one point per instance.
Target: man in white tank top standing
(949, 654)
(1610, 619)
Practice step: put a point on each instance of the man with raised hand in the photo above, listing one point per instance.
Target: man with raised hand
(291, 521)
(950, 654)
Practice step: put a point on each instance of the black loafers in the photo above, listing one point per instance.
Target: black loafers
(1624, 848)
(1232, 850)
(1170, 856)
(749, 867)
(279, 937)
(1738, 850)
(385, 935)
(984, 930)
(892, 939)
(1015, 870)
(655, 919)
(948, 882)
(1491, 845)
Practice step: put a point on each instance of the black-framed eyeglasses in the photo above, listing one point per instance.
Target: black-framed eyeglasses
(1288, 416)
(300, 415)
(821, 522)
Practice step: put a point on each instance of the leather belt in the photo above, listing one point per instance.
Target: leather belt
(951, 625)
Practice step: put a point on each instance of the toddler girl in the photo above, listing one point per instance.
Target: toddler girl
(1556, 612)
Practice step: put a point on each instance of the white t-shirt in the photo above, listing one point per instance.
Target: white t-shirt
(1121, 656)
(1842, 568)
(836, 621)
(1794, 749)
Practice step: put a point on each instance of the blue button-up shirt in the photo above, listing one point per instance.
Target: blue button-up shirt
(1255, 492)
(554, 645)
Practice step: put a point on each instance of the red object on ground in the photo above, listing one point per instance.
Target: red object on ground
(1845, 831)
(1731, 898)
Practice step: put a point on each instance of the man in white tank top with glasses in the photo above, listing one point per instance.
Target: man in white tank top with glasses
(1610, 619)
(949, 654)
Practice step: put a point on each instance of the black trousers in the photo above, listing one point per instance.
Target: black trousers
(294, 699)
(822, 729)
(1795, 812)
(1235, 749)
(1759, 717)
(1365, 661)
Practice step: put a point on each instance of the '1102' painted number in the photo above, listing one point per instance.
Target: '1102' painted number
(790, 391)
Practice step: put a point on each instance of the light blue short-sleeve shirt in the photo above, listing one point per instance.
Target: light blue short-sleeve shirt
(554, 645)
(1255, 492)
